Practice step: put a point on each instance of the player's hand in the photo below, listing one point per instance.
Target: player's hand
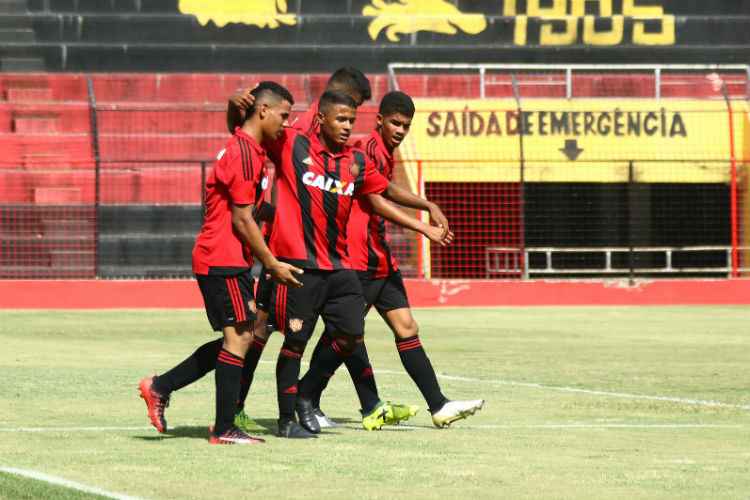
(439, 218)
(439, 235)
(244, 100)
(283, 273)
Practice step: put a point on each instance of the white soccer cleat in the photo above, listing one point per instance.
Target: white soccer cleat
(455, 410)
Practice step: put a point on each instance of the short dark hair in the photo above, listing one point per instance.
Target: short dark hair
(269, 88)
(396, 102)
(333, 97)
(351, 80)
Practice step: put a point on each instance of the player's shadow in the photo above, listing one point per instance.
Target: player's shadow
(201, 432)
(269, 428)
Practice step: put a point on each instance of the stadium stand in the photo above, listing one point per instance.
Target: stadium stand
(85, 152)
(186, 35)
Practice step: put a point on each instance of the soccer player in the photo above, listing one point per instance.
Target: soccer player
(348, 80)
(354, 83)
(222, 265)
(318, 176)
(381, 280)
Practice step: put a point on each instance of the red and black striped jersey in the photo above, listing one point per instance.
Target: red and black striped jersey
(368, 246)
(232, 181)
(314, 193)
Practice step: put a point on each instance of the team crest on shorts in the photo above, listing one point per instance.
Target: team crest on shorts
(295, 325)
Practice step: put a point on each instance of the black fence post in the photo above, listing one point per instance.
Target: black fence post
(97, 168)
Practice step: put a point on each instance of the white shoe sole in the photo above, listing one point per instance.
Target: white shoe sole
(459, 416)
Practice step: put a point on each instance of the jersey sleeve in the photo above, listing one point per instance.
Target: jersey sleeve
(373, 182)
(237, 173)
(275, 148)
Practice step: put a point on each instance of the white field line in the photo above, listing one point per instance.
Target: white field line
(58, 481)
(590, 392)
(74, 429)
(550, 425)
(583, 426)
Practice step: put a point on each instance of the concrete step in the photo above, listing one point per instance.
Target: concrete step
(74, 258)
(13, 6)
(22, 64)
(28, 94)
(16, 35)
(47, 123)
(68, 228)
(15, 21)
(57, 196)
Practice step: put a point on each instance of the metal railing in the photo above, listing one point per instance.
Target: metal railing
(513, 260)
(567, 71)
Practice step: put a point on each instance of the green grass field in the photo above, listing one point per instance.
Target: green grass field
(581, 403)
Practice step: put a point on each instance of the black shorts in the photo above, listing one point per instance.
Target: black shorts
(385, 294)
(229, 299)
(263, 291)
(334, 295)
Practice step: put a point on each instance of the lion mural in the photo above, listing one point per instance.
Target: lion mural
(409, 16)
(261, 13)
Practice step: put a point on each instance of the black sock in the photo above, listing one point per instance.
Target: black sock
(228, 374)
(287, 375)
(363, 378)
(194, 367)
(329, 358)
(325, 340)
(248, 369)
(420, 370)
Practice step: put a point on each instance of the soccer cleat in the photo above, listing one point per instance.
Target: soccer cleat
(290, 429)
(400, 413)
(155, 403)
(387, 414)
(306, 415)
(243, 422)
(323, 421)
(455, 410)
(233, 435)
(375, 420)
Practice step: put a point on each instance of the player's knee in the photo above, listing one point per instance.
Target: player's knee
(346, 343)
(408, 329)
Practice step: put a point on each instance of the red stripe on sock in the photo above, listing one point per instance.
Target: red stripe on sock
(259, 344)
(291, 390)
(230, 359)
(366, 373)
(291, 354)
(408, 345)
(225, 362)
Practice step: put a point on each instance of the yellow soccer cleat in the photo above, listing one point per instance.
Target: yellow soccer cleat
(400, 413)
(388, 414)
